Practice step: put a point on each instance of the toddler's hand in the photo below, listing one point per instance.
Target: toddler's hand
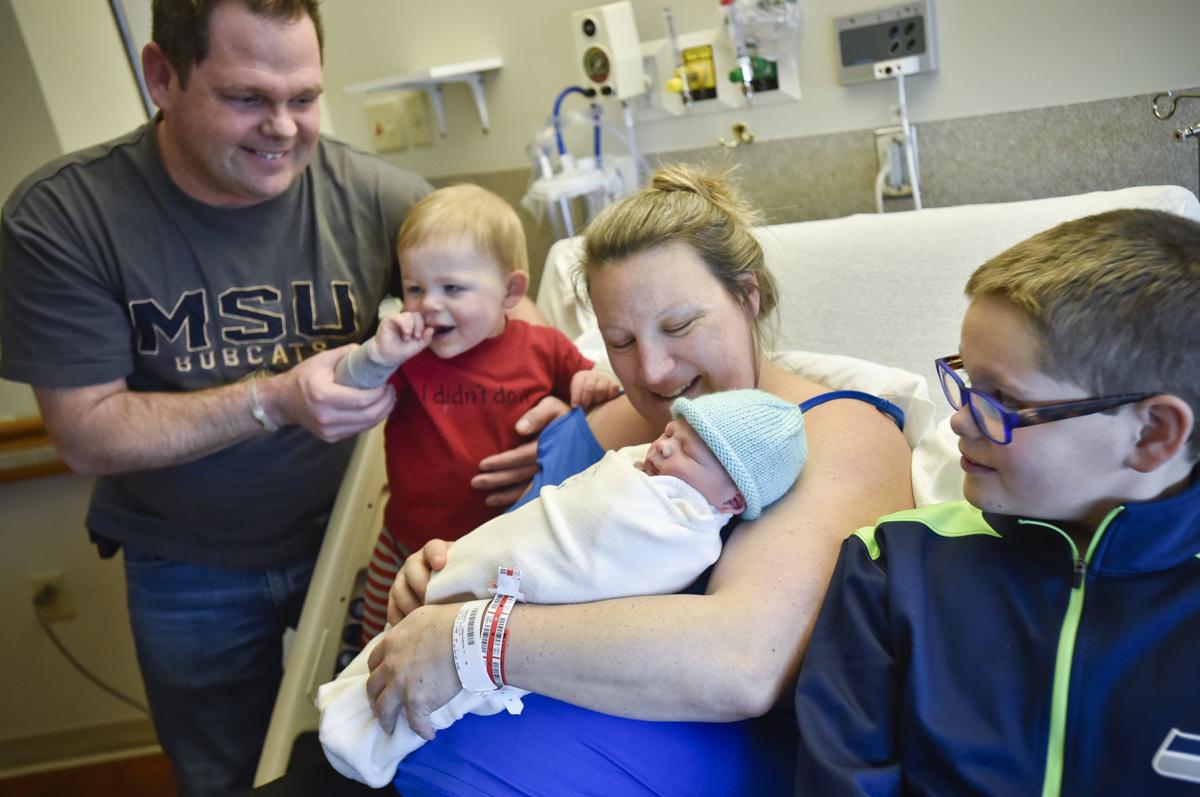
(400, 336)
(408, 590)
(589, 388)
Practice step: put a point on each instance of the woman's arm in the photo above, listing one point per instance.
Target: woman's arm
(729, 654)
(732, 653)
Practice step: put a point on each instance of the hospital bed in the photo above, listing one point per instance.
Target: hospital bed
(881, 293)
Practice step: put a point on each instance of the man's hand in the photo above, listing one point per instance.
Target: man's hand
(308, 396)
(589, 388)
(507, 474)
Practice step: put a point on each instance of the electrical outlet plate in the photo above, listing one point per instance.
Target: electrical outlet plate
(886, 34)
(60, 607)
(897, 184)
(385, 125)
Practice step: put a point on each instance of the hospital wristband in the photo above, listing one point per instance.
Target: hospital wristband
(495, 621)
(498, 643)
(468, 645)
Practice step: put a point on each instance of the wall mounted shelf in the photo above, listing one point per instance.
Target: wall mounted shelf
(431, 81)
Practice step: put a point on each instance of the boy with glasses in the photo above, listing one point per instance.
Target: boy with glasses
(1041, 636)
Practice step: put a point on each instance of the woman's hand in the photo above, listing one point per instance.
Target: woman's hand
(408, 590)
(412, 668)
(507, 474)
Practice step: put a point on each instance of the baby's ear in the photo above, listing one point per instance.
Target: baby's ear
(735, 505)
(515, 288)
(1166, 423)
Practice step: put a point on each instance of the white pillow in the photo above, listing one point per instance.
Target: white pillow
(936, 474)
(906, 390)
(591, 345)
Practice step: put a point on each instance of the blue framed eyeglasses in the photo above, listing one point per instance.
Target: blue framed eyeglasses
(996, 422)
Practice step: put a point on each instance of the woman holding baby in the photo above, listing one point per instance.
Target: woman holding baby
(676, 694)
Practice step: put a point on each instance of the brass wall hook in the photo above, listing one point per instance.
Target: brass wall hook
(742, 135)
(1174, 97)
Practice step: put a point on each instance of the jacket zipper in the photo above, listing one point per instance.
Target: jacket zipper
(1080, 572)
(1061, 686)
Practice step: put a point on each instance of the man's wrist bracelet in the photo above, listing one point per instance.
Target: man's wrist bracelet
(256, 408)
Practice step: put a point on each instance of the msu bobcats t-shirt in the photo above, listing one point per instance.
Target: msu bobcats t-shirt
(109, 271)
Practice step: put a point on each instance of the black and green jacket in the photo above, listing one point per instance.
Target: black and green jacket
(965, 653)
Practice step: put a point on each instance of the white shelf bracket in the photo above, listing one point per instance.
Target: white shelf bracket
(439, 110)
(431, 81)
(476, 83)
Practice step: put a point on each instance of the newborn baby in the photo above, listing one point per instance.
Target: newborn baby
(643, 520)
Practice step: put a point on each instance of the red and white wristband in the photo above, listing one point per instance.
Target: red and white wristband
(480, 645)
(468, 649)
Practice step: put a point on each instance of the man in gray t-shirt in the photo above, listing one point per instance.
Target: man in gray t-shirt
(177, 299)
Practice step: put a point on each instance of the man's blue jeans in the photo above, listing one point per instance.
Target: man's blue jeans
(209, 644)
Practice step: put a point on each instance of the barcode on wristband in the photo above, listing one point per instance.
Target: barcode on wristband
(499, 641)
(470, 647)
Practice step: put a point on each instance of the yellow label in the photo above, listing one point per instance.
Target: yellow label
(701, 71)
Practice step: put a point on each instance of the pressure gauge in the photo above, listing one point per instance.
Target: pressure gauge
(596, 65)
(608, 49)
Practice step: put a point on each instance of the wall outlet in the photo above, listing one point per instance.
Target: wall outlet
(385, 125)
(50, 591)
(899, 66)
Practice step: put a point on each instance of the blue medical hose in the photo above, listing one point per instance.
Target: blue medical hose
(596, 135)
(562, 148)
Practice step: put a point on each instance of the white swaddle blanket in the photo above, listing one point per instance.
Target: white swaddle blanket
(608, 532)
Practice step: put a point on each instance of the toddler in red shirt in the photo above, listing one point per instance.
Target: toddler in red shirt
(463, 372)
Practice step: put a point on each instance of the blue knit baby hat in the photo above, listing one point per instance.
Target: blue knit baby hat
(757, 437)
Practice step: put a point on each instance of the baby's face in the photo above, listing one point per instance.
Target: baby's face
(460, 291)
(681, 453)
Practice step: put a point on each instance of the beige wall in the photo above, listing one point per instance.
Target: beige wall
(82, 69)
(995, 57)
(25, 126)
(66, 85)
(28, 138)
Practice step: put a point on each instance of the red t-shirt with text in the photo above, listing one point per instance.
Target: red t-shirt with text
(450, 414)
